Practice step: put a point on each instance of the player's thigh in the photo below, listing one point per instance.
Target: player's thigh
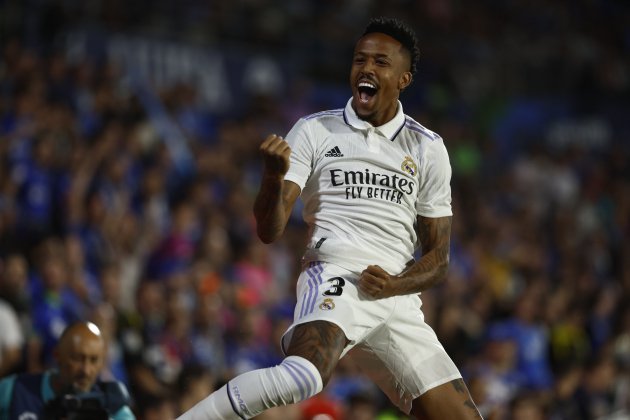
(330, 317)
(408, 357)
(447, 401)
(320, 342)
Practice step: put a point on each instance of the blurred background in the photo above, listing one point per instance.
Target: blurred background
(128, 168)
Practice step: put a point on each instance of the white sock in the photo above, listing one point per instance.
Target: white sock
(249, 394)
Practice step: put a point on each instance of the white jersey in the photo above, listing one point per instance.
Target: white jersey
(363, 186)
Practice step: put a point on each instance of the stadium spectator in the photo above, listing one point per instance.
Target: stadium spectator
(11, 340)
(72, 388)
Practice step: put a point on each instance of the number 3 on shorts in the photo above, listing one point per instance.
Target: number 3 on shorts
(336, 286)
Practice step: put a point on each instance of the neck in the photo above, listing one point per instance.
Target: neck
(380, 117)
(58, 386)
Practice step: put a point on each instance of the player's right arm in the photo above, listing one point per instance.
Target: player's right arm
(276, 197)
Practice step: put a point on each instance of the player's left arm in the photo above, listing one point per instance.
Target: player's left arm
(434, 234)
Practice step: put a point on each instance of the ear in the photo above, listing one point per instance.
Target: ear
(404, 80)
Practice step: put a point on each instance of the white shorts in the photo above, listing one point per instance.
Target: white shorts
(389, 339)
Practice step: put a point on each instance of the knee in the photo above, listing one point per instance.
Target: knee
(325, 373)
(321, 343)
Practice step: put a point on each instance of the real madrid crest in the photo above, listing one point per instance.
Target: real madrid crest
(409, 166)
(327, 305)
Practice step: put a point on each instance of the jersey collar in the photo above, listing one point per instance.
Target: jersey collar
(47, 390)
(390, 129)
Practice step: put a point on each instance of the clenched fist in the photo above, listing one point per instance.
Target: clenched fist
(275, 152)
(376, 282)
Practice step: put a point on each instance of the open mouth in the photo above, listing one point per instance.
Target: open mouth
(366, 91)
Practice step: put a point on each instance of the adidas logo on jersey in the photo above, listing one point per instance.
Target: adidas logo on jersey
(334, 152)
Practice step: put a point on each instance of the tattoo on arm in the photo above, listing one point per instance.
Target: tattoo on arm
(434, 233)
(424, 227)
(434, 236)
(459, 385)
(273, 206)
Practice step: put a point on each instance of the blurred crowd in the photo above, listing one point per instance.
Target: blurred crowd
(99, 221)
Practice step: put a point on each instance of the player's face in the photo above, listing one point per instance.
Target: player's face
(380, 71)
(81, 362)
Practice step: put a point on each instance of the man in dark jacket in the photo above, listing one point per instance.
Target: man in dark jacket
(73, 390)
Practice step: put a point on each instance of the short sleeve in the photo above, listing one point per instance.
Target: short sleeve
(434, 194)
(301, 143)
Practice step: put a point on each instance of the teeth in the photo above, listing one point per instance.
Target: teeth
(366, 84)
